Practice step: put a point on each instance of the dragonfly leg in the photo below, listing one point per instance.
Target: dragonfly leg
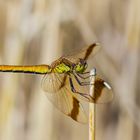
(81, 83)
(80, 75)
(88, 97)
(87, 72)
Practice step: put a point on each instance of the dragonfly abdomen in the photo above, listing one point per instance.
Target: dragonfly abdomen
(35, 69)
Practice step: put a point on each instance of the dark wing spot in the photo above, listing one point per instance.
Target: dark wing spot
(98, 88)
(89, 50)
(75, 110)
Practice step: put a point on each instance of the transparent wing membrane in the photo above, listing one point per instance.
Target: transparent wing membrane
(59, 92)
(53, 82)
(102, 91)
(85, 53)
(63, 98)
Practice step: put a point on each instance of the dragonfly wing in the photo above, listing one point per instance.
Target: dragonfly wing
(85, 53)
(102, 91)
(50, 83)
(63, 98)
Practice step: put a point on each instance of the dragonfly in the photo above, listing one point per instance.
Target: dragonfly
(64, 82)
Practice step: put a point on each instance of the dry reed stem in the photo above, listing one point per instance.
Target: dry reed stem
(92, 107)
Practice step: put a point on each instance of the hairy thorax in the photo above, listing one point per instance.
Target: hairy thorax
(61, 68)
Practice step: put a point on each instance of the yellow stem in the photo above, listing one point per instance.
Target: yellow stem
(92, 107)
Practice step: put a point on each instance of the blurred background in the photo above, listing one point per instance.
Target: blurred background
(39, 31)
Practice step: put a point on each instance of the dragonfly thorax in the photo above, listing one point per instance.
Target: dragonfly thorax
(62, 68)
(66, 66)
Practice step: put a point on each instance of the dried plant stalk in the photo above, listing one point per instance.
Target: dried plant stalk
(92, 107)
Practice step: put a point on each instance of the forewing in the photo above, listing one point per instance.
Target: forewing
(85, 53)
(63, 98)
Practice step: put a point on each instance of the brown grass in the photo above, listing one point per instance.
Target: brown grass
(34, 32)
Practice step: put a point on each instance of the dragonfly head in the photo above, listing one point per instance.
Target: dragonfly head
(81, 66)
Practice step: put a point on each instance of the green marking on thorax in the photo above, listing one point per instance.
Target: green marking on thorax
(80, 68)
(62, 68)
